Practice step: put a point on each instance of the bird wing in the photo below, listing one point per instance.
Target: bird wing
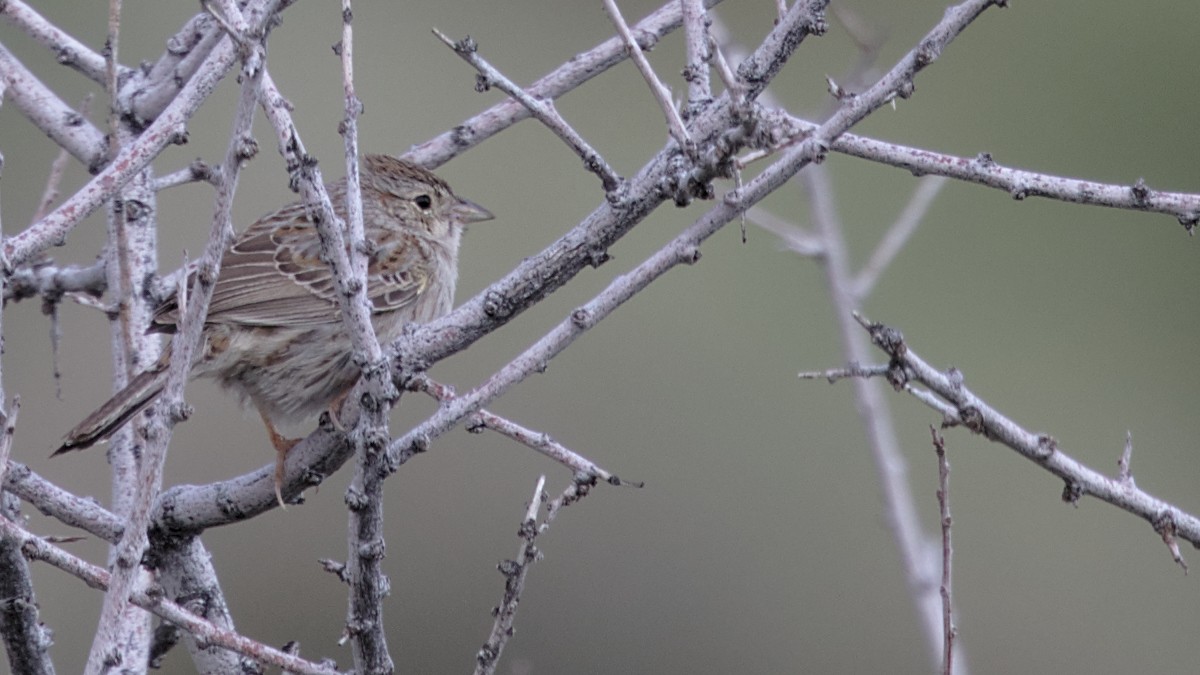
(273, 275)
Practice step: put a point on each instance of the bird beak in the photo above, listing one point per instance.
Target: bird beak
(469, 212)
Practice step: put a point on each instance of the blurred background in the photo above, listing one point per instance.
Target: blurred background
(758, 544)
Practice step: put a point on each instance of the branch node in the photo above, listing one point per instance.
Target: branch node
(1141, 193)
(1047, 446)
(1072, 492)
(972, 418)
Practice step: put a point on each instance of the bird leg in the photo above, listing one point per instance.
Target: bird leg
(282, 446)
(335, 409)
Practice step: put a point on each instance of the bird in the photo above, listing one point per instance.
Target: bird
(274, 334)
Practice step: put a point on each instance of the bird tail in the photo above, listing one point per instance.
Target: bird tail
(141, 391)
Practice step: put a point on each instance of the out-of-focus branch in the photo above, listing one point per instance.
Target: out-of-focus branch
(897, 236)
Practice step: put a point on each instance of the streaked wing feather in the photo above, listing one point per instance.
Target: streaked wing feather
(273, 275)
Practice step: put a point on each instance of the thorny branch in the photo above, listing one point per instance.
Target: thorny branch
(946, 393)
(715, 131)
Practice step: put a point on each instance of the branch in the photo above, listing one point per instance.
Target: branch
(69, 51)
(37, 548)
(514, 571)
(1021, 184)
(543, 110)
(168, 128)
(897, 236)
(51, 114)
(574, 72)
(364, 498)
(657, 88)
(187, 508)
(949, 632)
(699, 53)
(960, 406)
(539, 442)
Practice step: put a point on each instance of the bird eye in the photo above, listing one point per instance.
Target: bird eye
(423, 202)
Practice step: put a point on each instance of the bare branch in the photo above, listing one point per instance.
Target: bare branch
(542, 110)
(168, 128)
(699, 53)
(974, 413)
(195, 172)
(1021, 184)
(661, 93)
(69, 51)
(949, 632)
(85, 514)
(515, 572)
(51, 114)
(534, 440)
(364, 498)
(26, 640)
(852, 370)
(574, 72)
(37, 548)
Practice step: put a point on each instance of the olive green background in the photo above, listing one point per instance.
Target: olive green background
(758, 544)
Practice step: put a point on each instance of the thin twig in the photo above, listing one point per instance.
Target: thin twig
(515, 572)
(576, 71)
(657, 88)
(57, 168)
(949, 632)
(964, 408)
(534, 440)
(541, 109)
(797, 239)
(852, 370)
(197, 171)
(1019, 183)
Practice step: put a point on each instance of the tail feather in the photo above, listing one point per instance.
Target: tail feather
(141, 391)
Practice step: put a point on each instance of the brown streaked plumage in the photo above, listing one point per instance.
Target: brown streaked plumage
(274, 332)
